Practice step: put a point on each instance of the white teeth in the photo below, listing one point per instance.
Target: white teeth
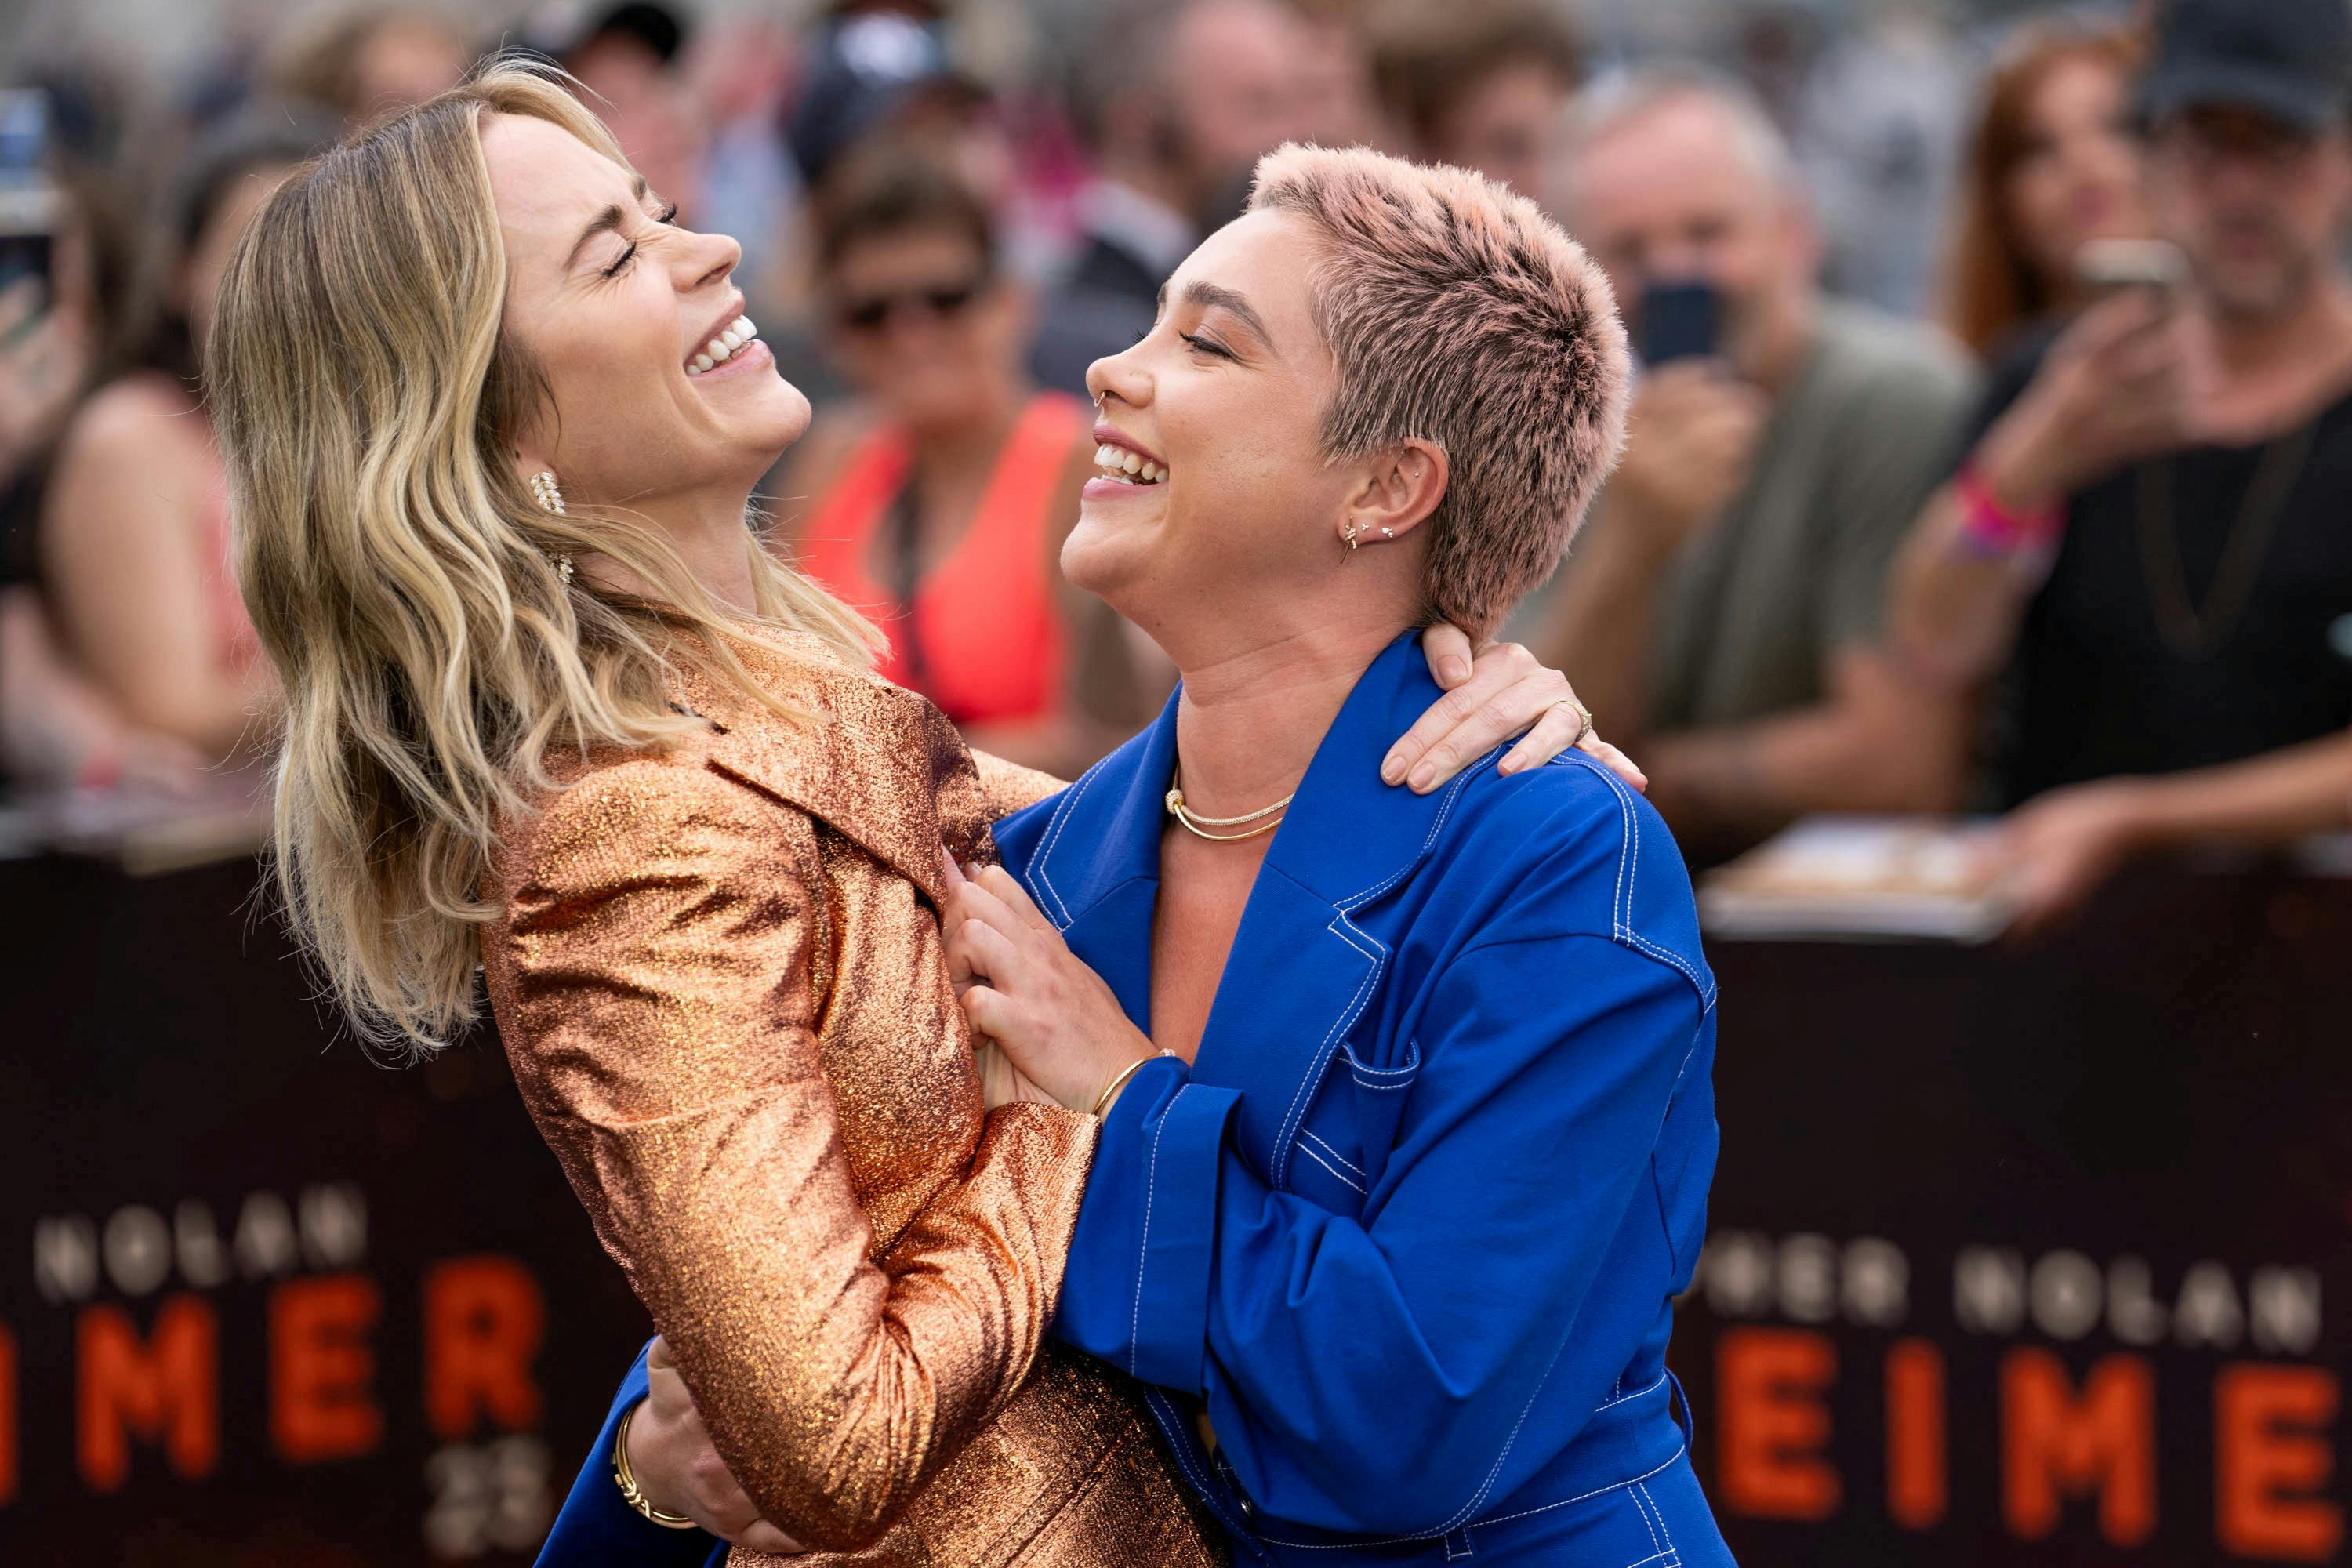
(1119, 463)
(725, 346)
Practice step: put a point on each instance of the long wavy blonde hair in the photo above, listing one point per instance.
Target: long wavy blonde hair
(398, 570)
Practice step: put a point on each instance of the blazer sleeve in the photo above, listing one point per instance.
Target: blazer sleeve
(1366, 1374)
(653, 972)
(1007, 787)
(595, 1529)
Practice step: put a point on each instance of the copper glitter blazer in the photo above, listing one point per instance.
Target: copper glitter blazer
(718, 976)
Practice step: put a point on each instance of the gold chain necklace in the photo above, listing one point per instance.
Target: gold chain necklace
(1198, 826)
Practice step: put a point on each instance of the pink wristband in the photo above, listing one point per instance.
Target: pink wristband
(1995, 529)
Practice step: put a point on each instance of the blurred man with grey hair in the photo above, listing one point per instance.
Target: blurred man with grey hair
(1721, 609)
(1177, 100)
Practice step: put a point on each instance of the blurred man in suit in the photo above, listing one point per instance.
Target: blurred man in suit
(1177, 102)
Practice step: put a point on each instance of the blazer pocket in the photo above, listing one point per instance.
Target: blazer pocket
(1352, 1125)
(1382, 1079)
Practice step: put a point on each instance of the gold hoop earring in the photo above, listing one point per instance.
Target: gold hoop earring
(549, 495)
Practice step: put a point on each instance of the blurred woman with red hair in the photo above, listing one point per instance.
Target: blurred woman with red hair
(2050, 166)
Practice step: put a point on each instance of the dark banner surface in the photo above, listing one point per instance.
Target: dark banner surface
(262, 1302)
(2016, 1257)
(2037, 1256)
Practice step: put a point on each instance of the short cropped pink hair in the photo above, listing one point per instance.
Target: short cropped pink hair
(1460, 315)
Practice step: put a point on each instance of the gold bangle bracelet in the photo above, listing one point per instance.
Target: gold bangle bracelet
(1119, 1080)
(630, 1491)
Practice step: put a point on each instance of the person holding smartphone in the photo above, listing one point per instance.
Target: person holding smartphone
(2142, 565)
(1725, 600)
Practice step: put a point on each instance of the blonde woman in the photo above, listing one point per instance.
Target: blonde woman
(492, 422)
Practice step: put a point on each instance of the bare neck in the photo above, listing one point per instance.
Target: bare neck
(2271, 372)
(1250, 718)
(1783, 348)
(2318, 327)
(969, 447)
(707, 529)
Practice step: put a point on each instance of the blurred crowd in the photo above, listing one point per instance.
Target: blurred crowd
(1995, 379)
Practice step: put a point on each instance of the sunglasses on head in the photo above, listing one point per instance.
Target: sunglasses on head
(871, 312)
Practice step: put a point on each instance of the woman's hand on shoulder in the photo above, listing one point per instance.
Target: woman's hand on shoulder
(679, 1470)
(1493, 693)
(1052, 1018)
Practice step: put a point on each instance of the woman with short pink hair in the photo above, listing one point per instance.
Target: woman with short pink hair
(1407, 1128)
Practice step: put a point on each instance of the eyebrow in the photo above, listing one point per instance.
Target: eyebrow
(605, 221)
(1224, 299)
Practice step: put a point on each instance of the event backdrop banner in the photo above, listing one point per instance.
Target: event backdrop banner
(2017, 1257)
(263, 1301)
(2036, 1255)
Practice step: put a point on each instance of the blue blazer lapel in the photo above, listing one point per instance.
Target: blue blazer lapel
(1095, 870)
(1302, 972)
(1298, 978)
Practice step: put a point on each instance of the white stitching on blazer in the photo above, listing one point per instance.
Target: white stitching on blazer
(1062, 813)
(1622, 1398)
(1325, 1144)
(1345, 1180)
(1143, 1243)
(1478, 1523)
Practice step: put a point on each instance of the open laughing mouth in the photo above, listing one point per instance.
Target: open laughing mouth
(1128, 468)
(730, 343)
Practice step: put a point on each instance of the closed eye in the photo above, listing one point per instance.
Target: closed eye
(1207, 345)
(666, 216)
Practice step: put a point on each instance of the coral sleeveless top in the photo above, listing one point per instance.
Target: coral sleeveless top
(981, 637)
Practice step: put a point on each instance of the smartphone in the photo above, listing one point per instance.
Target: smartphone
(29, 202)
(2108, 266)
(1680, 319)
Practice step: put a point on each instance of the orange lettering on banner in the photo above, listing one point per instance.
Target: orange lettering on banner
(8, 1417)
(2263, 1476)
(2055, 1445)
(1771, 1423)
(321, 1368)
(482, 1322)
(1918, 1475)
(168, 1387)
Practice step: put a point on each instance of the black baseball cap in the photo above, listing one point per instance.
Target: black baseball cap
(2290, 60)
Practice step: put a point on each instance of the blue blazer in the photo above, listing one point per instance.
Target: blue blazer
(1410, 1225)
(595, 1527)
